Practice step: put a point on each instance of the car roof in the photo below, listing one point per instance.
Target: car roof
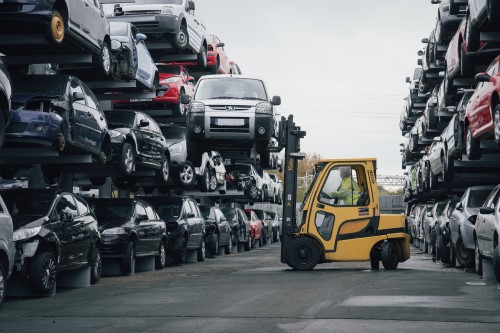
(234, 76)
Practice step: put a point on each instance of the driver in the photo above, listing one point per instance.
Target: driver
(348, 191)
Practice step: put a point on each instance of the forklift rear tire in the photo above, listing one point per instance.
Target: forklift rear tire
(389, 255)
(303, 255)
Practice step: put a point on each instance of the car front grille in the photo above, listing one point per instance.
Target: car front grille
(225, 108)
(16, 127)
(146, 24)
(230, 128)
(143, 12)
(10, 7)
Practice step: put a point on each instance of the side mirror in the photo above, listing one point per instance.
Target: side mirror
(185, 99)
(144, 123)
(419, 62)
(140, 37)
(78, 96)
(276, 100)
(420, 53)
(482, 77)
(191, 79)
(486, 210)
(408, 80)
(191, 5)
(425, 40)
(221, 45)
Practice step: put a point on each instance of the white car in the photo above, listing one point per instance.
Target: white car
(277, 188)
(7, 249)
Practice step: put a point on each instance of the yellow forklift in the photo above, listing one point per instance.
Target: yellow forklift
(339, 219)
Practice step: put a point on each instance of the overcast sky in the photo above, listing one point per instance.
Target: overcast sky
(339, 66)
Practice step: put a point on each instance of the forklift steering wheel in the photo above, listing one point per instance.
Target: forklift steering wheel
(324, 195)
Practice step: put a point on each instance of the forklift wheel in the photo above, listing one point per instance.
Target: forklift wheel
(389, 255)
(303, 255)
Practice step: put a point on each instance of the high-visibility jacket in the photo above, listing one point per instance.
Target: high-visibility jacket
(348, 192)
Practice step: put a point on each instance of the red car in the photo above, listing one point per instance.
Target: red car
(174, 82)
(482, 115)
(217, 58)
(256, 227)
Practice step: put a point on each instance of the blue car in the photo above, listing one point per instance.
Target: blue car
(59, 112)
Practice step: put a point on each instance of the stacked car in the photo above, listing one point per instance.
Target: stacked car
(452, 135)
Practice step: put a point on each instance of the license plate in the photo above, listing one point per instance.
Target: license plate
(138, 99)
(229, 122)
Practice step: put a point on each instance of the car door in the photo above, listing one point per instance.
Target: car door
(142, 135)
(142, 227)
(145, 66)
(96, 120)
(71, 232)
(198, 221)
(157, 140)
(223, 225)
(456, 216)
(194, 28)
(77, 17)
(482, 111)
(157, 227)
(89, 224)
(485, 224)
(95, 22)
(80, 115)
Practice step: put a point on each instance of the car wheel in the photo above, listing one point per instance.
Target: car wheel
(3, 280)
(472, 146)
(204, 181)
(42, 271)
(215, 69)
(213, 182)
(228, 249)
(127, 262)
(98, 181)
(260, 241)
(431, 119)
(472, 38)
(163, 173)
(161, 258)
(95, 265)
(444, 251)
(186, 176)
(449, 163)
(103, 61)
(478, 260)
(181, 253)
(496, 125)
(127, 160)
(247, 246)
(56, 28)
(202, 250)
(434, 184)
(8, 171)
(496, 263)
(389, 256)
(202, 58)
(213, 243)
(181, 38)
(466, 65)
(465, 257)
(181, 108)
(303, 254)
(124, 183)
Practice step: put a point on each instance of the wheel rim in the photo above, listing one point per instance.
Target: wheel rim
(162, 255)
(203, 248)
(476, 258)
(61, 142)
(462, 251)
(468, 143)
(213, 182)
(207, 179)
(254, 192)
(497, 126)
(187, 174)
(2, 285)
(182, 38)
(106, 58)
(57, 28)
(129, 160)
(303, 255)
(230, 243)
(97, 264)
(48, 273)
(165, 170)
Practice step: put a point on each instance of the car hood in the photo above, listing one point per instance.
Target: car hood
(111, 222)
(122, 130)
(27, 116)
(171, 142)
(28, 221)
(235, 102)
(23, 98)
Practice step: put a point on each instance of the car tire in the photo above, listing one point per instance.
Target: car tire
(124, 183)
(265, 194)
(213, 182)
(42, 271)
(213, 244)
(163, 174)
(98, 181)
(444, 252)
(496, 125)
(95, 265)
(389, 256)
(180, 109)
(3, 283)
(204, 180)
(431, 119)
(478, 260)
(127, 160)
(201, 253)
(303, 254)
(127, 262)
(185, 176)
(496, 263)
(472, 38)
(465, 257)
(228, 249)
(181, 253)
(472, 146)
(56, 30)
(448, 166)
(247, 246)
(103, 61)
(433, 182)
(466, 65)
(161, 258)
(181, 38)
(202, 57)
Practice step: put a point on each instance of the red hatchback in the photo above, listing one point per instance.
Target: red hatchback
(256, 227)
(482, 115)
(217, 58)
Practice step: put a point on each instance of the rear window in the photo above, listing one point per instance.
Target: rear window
(40, 84)
(169, 69)
(231, 88)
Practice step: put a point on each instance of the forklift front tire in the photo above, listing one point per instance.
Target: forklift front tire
(389, 256)
(303, 254)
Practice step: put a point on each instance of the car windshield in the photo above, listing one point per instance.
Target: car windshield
(167, 207)
(155, 2)
(271, 215)
(440, 208)
(117, 119)
(477, 197)
(40, 84)
(207, 212)
(260, 214)
(27, 204)
(230, 88)
(242, 169)
(118, 29)
(173, 132)
(229, 213)
(111, 208)
(162, 69)
(249, 215)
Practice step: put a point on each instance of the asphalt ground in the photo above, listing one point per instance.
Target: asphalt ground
(254, 292)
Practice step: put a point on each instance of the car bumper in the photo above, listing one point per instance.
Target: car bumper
(151, 25)
(33, 127)
(114, 246)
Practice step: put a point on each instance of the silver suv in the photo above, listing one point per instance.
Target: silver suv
(7, 249)
(235, 113)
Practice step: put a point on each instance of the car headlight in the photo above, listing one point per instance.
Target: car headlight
(176, 149)
(264, 108)
(170, 80)
(196, 107)
(114, 134)
(114, 231)
(25, 233)
(116, 45)
(167, 10)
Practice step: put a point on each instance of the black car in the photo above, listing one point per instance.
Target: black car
(185, 225)
(58, 112)
(5, 97)
(244, 177)
(61, 26)
(267, 231)
(240, 226)
(53, 232)
(217, 229)
(136, 141)
(130, 228)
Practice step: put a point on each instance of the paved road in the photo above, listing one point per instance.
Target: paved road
(254, 292)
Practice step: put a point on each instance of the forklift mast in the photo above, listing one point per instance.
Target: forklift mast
(289, 138)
